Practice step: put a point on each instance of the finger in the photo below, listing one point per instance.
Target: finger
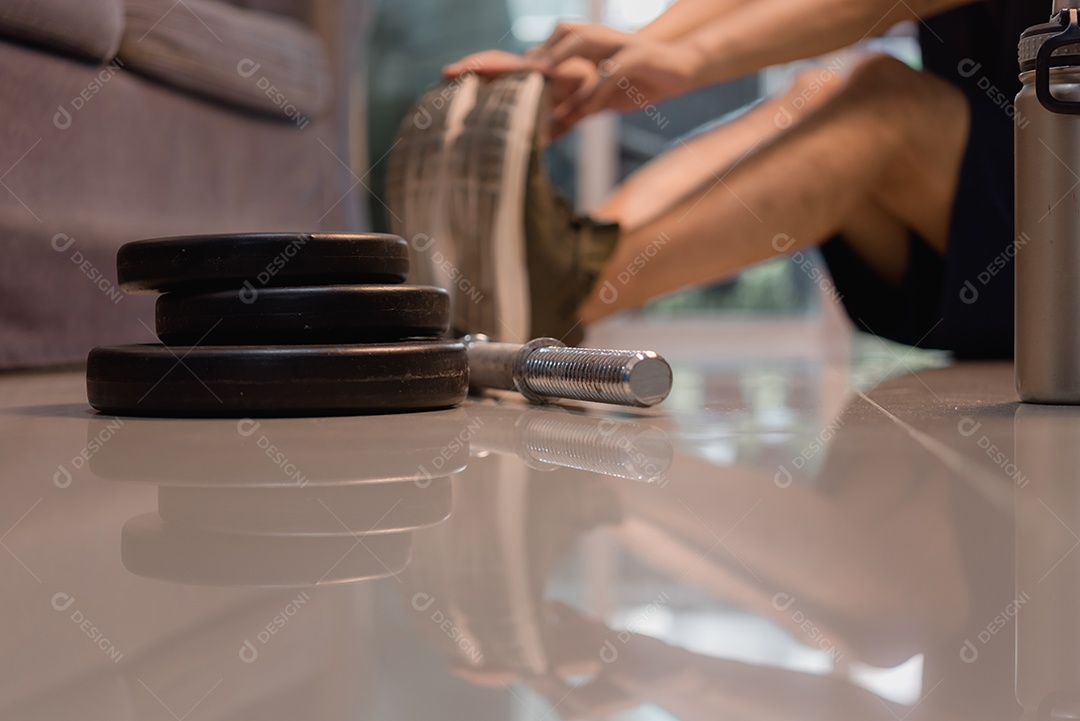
(489, 63)
(557, 129)
(593, 44)
(462, 66)
(568, 77)
(487, 70)
(570, 104)
(590, 98)
(571, 45)
(561, 31)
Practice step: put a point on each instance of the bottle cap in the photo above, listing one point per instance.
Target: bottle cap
(1035, 36)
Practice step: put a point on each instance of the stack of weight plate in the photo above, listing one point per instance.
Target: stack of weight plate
(280, 324)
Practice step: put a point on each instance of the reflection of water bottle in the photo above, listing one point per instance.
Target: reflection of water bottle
(1048, 210)
(1047, 511)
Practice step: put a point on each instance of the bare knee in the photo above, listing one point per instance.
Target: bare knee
(923, 122)
(872, 69)
(896, 87)
(872, 85)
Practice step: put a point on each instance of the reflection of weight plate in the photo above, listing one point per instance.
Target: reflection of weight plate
(154, 548)
(260, 260)
(336, 511)
(281, 452)
(268, 381)
(321, 314)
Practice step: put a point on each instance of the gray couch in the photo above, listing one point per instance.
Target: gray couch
(126, 119)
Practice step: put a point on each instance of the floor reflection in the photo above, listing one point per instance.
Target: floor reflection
(873, 557)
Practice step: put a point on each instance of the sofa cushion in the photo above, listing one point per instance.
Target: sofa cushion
(85, 28)
(299, 9)
(248, 58)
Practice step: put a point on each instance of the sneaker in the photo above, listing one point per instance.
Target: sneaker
(468, 188)
(565, 253)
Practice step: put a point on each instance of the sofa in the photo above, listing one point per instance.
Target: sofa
(128, 119)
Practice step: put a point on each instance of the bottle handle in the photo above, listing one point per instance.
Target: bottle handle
(1069, 36)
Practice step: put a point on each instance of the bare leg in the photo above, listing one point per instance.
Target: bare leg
(694, 165)
(877, 155)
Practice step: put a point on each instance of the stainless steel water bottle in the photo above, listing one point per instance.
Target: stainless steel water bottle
(1047, 245)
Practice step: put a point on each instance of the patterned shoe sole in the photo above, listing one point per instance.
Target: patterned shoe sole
(456, 191)
(418, 179)
(489, 164)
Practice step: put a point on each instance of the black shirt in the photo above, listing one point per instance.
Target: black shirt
(984, 32)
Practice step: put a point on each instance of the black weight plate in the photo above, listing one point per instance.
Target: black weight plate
(288, 316)
(276, 381)
(251, 261)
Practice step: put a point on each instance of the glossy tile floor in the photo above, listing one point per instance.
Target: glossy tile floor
(806, 529)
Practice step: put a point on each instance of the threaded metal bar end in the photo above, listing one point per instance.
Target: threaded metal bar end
(633, 378)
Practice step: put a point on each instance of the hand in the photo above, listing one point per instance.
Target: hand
(564, 80)
(641, 74)
(582, 40)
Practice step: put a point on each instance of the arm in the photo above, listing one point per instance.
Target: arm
(760, 34)
(596, 42)
(685, 16)
(751, 35)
